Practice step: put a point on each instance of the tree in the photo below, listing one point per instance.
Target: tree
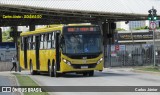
(6, 37)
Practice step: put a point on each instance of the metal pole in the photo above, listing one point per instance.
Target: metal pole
(154, 56)
(132, 37)
(154, 61)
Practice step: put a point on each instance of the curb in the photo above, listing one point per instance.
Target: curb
(146, 72)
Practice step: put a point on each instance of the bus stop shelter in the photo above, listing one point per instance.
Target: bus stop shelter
(74, 11)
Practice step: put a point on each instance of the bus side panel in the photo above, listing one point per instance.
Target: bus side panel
(28, 59)
(52, 56)
(42, 59)
(45, 56)
(22, 59)
(32, 57)
(47, 59)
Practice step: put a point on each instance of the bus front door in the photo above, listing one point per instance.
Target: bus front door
(25, 52)
(37, 52)
(57, 66)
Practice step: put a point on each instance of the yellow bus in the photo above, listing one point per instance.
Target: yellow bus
(59, 49)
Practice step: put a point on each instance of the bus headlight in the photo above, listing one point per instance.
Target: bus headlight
(67, 62)
(99, 61)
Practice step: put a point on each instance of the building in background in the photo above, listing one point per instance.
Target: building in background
(122, 25)
(5, 28)
(21, 28)
(131, 25)
(158, 23)
(7, 50)
(137, 24)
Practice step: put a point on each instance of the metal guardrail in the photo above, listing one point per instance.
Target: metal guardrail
(132, 55)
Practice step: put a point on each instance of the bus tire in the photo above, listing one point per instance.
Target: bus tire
(55, 71)
(32, 72)
(50, 70)
(91, 73)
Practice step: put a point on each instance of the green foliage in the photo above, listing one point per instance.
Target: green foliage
(150, 68)
(6, 36)
(137, 28)
(141, 28)
(120, 29)
(27, 81)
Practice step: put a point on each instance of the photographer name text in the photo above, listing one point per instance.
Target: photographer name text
(146, 89)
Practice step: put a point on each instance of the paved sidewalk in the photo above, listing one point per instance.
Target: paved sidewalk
(129, 69)
(117, 69)
(7, 79)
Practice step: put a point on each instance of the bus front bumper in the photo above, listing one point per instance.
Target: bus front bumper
(64, 67)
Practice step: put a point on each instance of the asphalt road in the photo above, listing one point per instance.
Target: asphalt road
(109, 77)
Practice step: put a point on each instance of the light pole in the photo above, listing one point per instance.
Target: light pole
(152, 16)
(154, 57)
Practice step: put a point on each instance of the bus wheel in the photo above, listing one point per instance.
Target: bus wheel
(85, 73)
(50, 70)
(55, 71)
(91, 73)
(32, 72)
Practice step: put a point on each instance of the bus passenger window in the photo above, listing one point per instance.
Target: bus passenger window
(53, 40)
(45, 41)
(33, 43)
(33, 39)
(49, 37)
(49, 41)
(41, 43)
(28, 42)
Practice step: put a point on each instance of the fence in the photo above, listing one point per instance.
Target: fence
(131, 55)
(5, 66)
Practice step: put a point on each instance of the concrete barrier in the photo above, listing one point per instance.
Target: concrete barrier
(5, 66)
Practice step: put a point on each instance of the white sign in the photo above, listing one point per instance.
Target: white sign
(112, 47)
(153, 25)
(113, 54)
(7, 50)
(9, 54)
(122, 47)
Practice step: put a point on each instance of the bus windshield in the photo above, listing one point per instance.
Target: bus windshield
(81, 43)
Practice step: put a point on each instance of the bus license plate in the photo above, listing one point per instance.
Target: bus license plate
(83, 67)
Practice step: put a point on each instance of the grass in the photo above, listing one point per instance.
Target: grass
(149, 68)
(27, 81)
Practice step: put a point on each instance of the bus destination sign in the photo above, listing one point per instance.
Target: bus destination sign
(82, 29)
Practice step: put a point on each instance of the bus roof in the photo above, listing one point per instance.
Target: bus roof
(50, 28)
(42, 30)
